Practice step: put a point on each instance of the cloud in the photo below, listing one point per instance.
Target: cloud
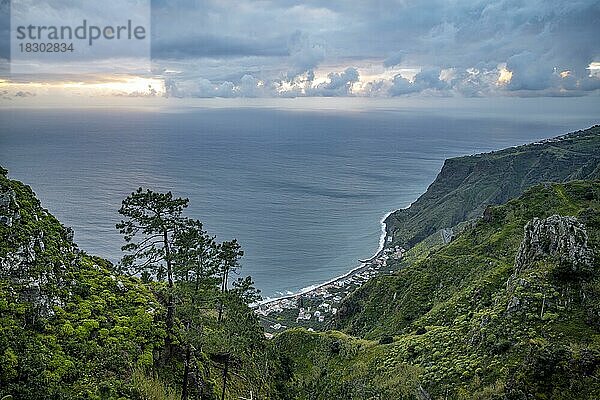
(305, 55)
(248, 86)
(470, 37)
(218, 46)
(426, 80)
(275, 48)
(338, 84)
(402, 86)
(199, 88)
(528, 73)
(477, 82)
(394, 59)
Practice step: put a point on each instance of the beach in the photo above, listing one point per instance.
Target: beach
(318, 304)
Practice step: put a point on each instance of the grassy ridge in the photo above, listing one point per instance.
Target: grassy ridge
(466, 185)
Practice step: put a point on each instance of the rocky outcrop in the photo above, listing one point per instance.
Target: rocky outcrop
(563, 238)
(9, 208)
(17, 265)
(35, 275)
(563, 241)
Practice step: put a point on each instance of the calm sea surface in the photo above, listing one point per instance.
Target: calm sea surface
(303, 191)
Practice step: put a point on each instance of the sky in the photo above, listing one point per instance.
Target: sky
(318, 48)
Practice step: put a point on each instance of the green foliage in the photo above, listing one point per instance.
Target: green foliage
(150, 387)
(195, 253)
(333, 365)
(72, 327)
(453, 315)
(230, 253)
(151, 219)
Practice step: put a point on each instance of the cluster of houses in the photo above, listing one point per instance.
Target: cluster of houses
(319, 314)
(278, 326)
(328, 295)
(394, 253)
(276, 306)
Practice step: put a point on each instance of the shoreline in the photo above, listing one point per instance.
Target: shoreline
(383, 238)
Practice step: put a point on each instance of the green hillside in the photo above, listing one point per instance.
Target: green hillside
(509, 309)
(466, 185)
(70, 328)
(73, 327)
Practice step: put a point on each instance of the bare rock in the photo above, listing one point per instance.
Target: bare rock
(563, 238)
(9, 208)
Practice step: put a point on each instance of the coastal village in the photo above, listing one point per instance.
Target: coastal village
(316, 308)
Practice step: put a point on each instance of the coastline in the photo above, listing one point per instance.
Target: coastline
(364, 264)
(384, 237)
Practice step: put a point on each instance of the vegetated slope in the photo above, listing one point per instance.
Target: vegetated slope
(509, 309)
(466, 185)
(71, 327)
(329, 365)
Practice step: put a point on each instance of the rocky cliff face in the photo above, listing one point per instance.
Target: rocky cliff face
(563, 238)
(466, 185)
(9, 209)
(36, 252)
(552, 247)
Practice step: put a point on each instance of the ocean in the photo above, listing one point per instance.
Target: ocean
(302, 189)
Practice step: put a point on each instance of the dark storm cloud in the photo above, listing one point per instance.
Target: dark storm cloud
(533, 39)
(217, 46)
(459, 47)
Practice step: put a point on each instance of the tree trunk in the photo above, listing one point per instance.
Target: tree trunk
(186, 373)
(223, 290)
(199, 271)
(170, 302)
(198, 275)
(225, 376)
(220, 318)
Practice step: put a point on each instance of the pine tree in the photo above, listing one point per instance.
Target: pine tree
(195, 254)
(152, 219)
(230, 253)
